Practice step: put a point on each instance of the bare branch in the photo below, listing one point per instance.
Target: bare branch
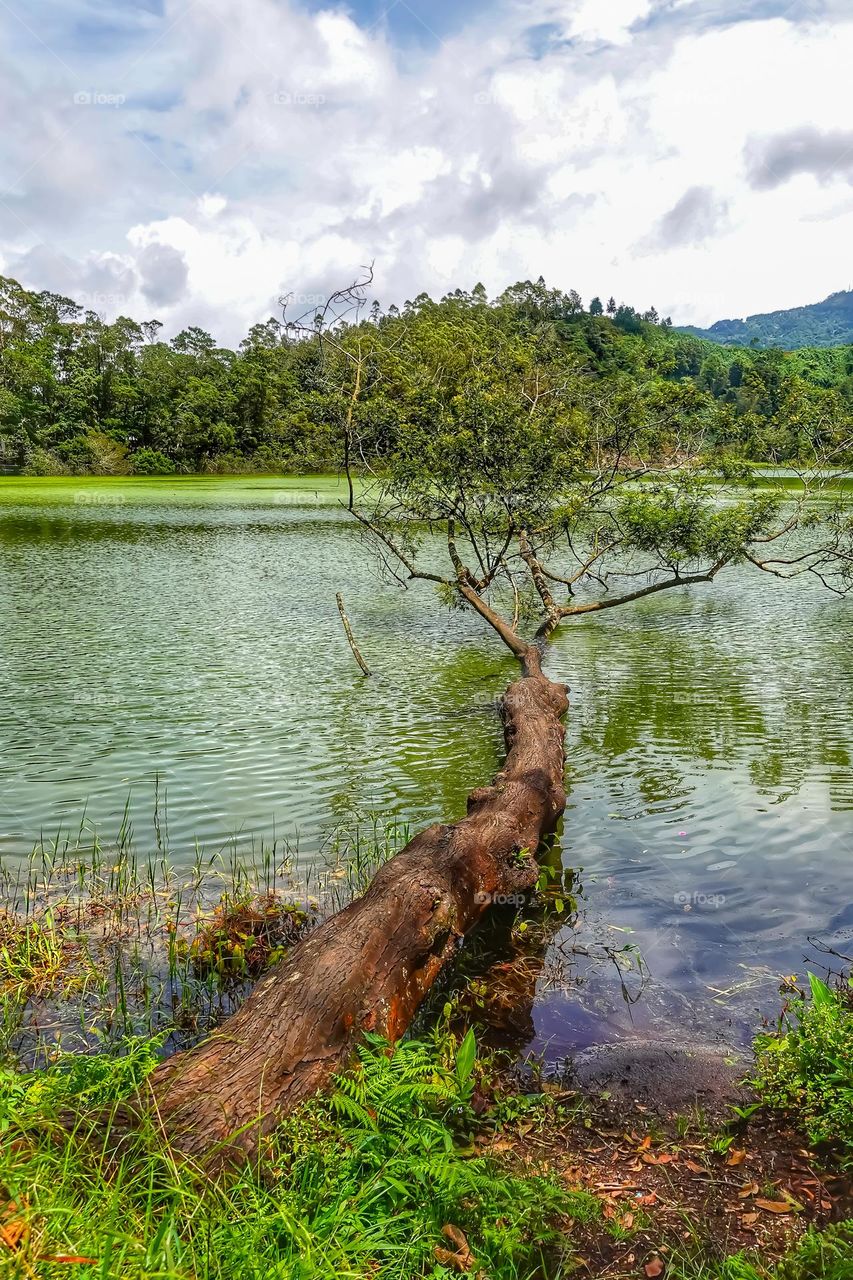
(407, 563)
(677, 580)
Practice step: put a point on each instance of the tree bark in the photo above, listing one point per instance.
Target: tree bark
(369, 966)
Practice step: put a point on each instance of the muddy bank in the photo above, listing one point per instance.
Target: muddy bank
(666, 1076)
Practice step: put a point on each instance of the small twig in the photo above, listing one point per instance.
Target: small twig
(349, 635)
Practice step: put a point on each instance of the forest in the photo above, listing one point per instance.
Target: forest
(82, 396)
(820, 324)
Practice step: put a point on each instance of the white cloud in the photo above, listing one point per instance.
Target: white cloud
(608, 20)
(164, 272)
(261, 148)
(105, 283)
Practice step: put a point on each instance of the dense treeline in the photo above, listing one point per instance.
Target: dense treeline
(80, 395)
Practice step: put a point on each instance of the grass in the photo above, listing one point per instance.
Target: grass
(387, 1178)
(826, 1255)
(806, 1066)
(109, 960)
(99, 942)
(378, 1180)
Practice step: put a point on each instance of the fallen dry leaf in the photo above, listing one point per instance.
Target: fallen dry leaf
(501, 1144)
(694, 1167)
(454, 1235)
(462, 1259)
(775, 1206)
(736, 1157)
(748, 1189)
(654, 1268)
(13, 1233)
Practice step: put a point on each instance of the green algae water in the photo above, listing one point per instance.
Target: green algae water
(180, 637)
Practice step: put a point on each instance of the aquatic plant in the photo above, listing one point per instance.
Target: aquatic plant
(101, 939)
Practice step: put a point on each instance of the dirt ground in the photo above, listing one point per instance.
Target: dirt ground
(655, 1136)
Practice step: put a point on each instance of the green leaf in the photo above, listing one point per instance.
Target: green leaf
(466, 1057)
(821, 994)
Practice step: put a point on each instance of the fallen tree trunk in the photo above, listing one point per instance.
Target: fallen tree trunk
(369, 966)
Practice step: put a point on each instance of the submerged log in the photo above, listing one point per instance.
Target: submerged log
(369, 966)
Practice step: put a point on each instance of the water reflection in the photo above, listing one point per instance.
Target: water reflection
(191, 634)
(711, 790)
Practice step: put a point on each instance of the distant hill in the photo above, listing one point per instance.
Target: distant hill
(823, 324)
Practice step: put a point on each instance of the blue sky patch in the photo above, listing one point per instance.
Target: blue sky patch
(421, 22)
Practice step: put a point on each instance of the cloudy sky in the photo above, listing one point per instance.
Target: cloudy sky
(191, 160)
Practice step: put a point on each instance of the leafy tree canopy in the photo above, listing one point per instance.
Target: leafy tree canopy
(78, 394)
(532, 485)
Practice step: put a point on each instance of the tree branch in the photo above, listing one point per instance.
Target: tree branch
(511, 639)
(678, 580)
(408, 564)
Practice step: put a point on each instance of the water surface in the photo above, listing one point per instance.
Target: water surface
(184, 634)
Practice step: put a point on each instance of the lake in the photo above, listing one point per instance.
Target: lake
(181, 636)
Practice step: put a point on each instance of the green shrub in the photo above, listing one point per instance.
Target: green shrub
(77, 1080)
(41, 462)
(807, 1066)
(151, 462)
(826, 1255)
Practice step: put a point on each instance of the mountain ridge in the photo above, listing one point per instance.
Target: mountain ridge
(819, 324)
